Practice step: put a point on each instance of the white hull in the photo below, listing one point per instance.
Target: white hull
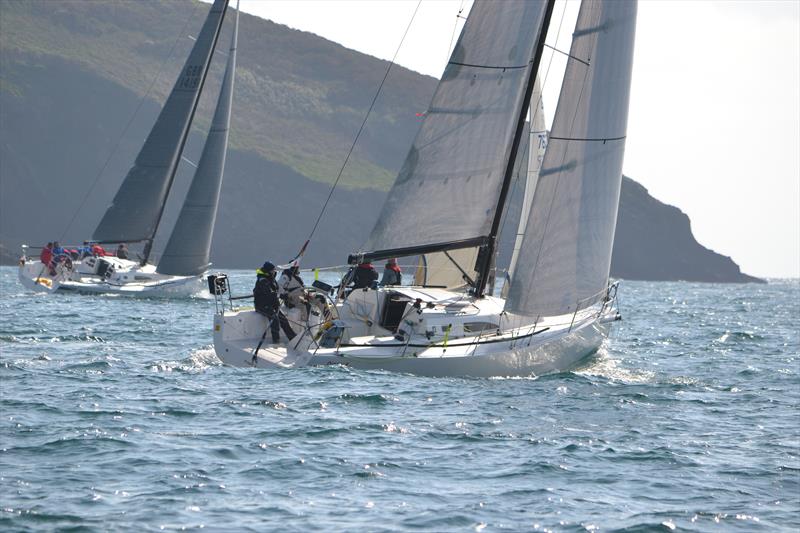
(553, 345)
(129, 279)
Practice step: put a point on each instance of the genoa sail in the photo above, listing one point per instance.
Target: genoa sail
(566, 250)
(137, 207)
(537, 143)
(189, 246)
(450, 184)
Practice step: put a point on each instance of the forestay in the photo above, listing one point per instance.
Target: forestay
(449, 185)
(188, 248)
(137, 207)
(566, 252)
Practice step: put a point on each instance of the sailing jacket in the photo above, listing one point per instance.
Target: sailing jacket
(363, 276)
(265, 295)
(46, 256)
(391, 276)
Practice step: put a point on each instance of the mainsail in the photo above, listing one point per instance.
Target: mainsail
(137, 207)
(189, 245)
(449, 187)
(566, 252)
(456, 269)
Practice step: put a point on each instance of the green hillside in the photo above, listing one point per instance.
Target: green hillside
(300, 99)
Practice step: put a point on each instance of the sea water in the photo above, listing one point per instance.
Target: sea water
(116, 414)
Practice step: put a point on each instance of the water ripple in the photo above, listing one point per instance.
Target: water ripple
(120, 416)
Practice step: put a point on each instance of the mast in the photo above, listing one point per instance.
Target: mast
(486, 253)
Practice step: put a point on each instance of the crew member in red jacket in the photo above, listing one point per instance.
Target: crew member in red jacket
(46, 257)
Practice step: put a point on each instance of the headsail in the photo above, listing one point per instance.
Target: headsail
(449, 186)
(137, 207)
(566, 252)
(189, 245)
(537, 143)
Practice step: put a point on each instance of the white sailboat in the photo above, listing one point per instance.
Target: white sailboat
(449, 197)
(138, 206)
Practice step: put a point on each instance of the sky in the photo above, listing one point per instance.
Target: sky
(714, 121)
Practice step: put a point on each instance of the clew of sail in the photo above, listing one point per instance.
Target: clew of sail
(137, 207)
(447, 192)
(565, 256)
(189, 246)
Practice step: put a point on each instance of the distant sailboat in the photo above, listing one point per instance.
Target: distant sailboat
(450, 196)
(138, 206)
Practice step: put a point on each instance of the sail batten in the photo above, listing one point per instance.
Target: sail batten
(189, 246)
(138, 205)
(452, 179)
(565, 255)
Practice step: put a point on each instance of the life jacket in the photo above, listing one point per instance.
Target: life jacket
(46, 256)
(364, 275)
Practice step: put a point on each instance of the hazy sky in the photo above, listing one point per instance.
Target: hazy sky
(714, 124)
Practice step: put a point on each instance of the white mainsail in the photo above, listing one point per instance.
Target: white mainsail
(449, 186)
(566, 252)
(189, 246)
(137, 207)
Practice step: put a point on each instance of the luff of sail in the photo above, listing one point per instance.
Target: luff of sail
(449, 186)
(537, 143)
(137, 207)
(189, 246)
(566, 251)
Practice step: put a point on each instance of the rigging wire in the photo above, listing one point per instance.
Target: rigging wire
(361, 129)
(129, 123)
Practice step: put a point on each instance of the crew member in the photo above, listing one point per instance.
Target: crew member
(98, 251)
(291, 286)
(265, 297)
(364, 275)
(391, 273)
(46, 257)
(122, 251)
